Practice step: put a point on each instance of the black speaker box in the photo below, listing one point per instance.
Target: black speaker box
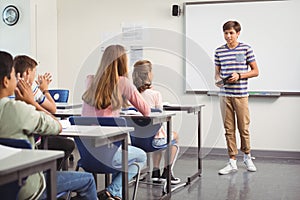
(175, 10)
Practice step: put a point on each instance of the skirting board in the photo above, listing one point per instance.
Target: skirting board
(192, 151)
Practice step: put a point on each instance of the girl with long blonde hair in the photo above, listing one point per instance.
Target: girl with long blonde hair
(107, 92)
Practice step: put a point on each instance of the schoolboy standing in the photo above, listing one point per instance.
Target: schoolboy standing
(237, 60)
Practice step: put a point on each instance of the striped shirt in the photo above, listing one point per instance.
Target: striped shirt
(234, 60)
(37, 93)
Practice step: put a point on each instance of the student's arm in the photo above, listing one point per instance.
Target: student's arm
(133, 95)
(138, 102)
(217, 75)
(158, 103)
(48, 103)
(252, 73)
(24, 93)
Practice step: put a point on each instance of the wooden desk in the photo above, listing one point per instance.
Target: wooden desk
(106, 135)
(196, 109)
(155, 119)
(27, 162)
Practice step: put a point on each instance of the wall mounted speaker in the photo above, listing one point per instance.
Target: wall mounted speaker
(175, 10)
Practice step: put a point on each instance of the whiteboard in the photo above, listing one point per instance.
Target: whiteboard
(271, 28)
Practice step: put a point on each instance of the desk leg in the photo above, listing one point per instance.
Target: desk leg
(125, 168)
(51, 182)
(199, 172)
(168, 152)
(199, 144)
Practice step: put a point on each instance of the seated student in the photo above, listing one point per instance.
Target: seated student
(106, 93)
(142, 79)
(26, 67)
(19, 119)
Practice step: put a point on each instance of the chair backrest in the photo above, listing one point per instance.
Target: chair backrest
(59, 95)
(97, 159)
(144, 132)
(16, 143)
(10, 190)
(98, 121)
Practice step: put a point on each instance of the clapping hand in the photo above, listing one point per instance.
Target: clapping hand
(44, 81)
(23, 90)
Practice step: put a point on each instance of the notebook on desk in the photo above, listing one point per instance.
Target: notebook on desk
(68, 105)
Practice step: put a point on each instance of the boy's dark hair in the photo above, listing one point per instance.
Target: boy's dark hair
(232, 24)
(23, 62)
(6, 65)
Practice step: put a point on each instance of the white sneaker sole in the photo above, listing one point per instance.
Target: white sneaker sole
(173, 182)
(251, 170)
(228, 172)
(156, 180)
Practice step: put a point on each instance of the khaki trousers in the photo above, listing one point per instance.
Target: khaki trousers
(232, 107)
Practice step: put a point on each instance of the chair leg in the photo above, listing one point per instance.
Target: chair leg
(149, 159)
(136, 181)
(146, 169)
(175, 157)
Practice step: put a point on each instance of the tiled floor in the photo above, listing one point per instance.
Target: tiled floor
(275, 179)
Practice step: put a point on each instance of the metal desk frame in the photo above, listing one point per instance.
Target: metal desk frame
(192, 109)
(155, 119)
(28, 162)
(106, 135)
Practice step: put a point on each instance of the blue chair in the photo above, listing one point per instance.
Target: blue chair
(59, 95)
(10, 191)
(16, 143)
(143, 135)
(98, 160)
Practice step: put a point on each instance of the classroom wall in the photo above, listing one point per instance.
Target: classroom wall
(35, 34)
(83, 26)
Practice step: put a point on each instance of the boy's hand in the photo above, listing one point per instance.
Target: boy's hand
(23, 91)
(44, 81)
(234, 78)
(219, 83)
(24, 76)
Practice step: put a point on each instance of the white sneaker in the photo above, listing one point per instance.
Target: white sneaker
(249, 163)
(229, 168)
